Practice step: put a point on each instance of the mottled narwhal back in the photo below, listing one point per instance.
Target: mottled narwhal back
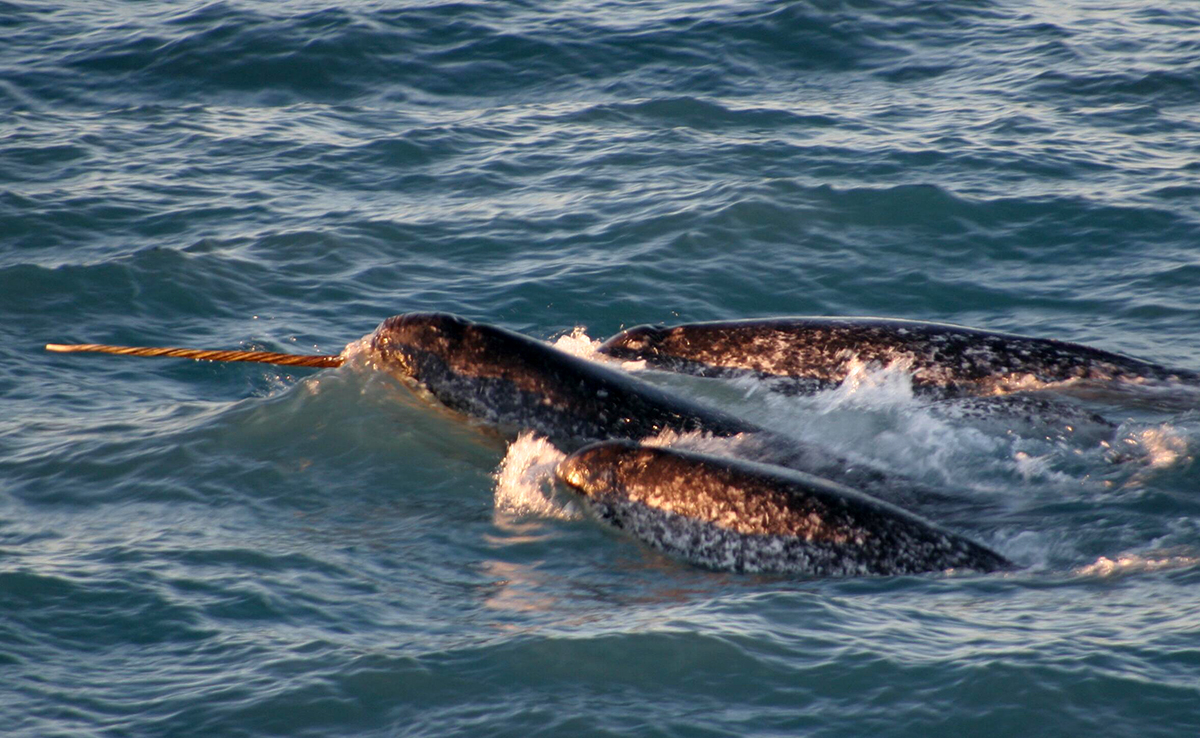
(733, 515)
(942, 357)
(508, 379)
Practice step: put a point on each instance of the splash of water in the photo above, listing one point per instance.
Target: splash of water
(525, 480)
(578, 343)
(357, 352)
(1163, 445)
(1155, 448)
(871, 386)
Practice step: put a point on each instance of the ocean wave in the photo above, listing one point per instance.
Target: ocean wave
(192, 548)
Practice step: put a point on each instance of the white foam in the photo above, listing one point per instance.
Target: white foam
(1030, 466)
(578, 343)
(1164, 446)
(1133, 563)
(871, 386)
(357, 352)
(1150, 449)
(873, 416)
(525, 480)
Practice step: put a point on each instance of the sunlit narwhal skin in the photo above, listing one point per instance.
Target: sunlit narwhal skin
(944, 359)
(518, 383)
(732, 515)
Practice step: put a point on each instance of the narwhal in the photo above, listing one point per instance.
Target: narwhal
(944, 359)
(732, 515)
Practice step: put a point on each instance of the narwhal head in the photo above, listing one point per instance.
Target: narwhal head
(599, 468)
(429, 348)
(493, 374)
(410, 343)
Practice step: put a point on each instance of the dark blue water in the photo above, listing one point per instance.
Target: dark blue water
(211, 549)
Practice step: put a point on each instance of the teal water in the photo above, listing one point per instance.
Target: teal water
(200, 549)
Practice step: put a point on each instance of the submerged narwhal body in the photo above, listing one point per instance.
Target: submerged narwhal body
(732, 515)
(820, 352)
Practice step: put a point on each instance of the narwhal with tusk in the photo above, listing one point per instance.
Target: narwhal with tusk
(515, 382)
(499, 377)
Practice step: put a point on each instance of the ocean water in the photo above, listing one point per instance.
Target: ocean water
(190, 548)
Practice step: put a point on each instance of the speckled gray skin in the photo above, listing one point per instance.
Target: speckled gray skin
(817, 352)
(737, 516)
(518, 383)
